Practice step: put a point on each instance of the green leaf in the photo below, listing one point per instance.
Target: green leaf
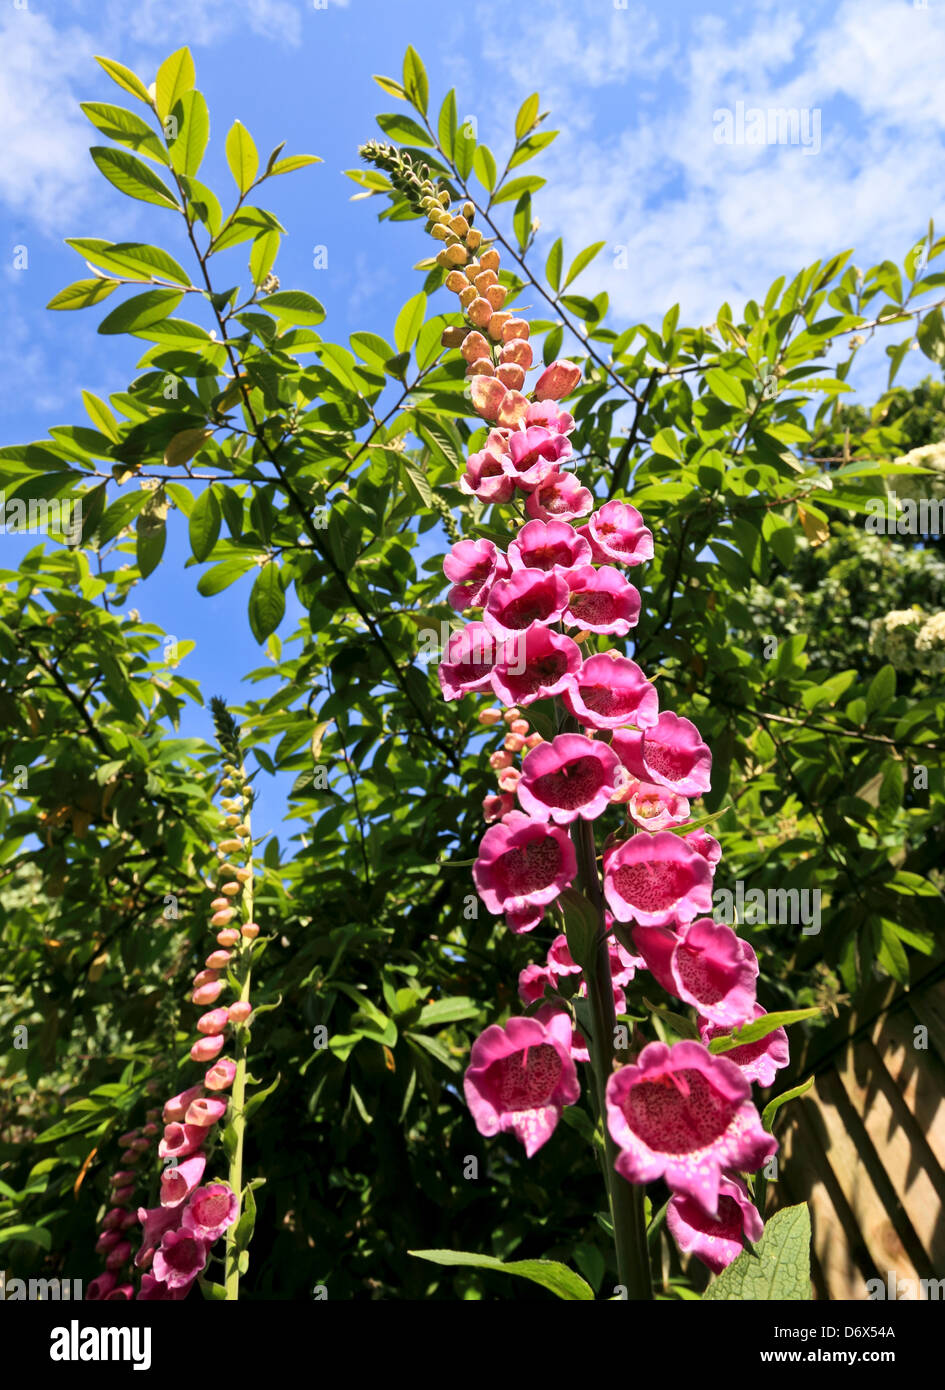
(130, 258)
(125, 128)
(294, 306)
(125, 78)
(256, 1100)
(193, 132)
(582, 259)
(150, 539)
(263, 255)
(409, 322)
(882, 689)
(241, 156)
(484, 167)
(131, 177)
(222, 575)
(266, 602)
(778, 1268)
(204, 524)
(447, 1011)
(416, 86)
(175, 76)
(513, 190)
(527, 115)
(760, 1028)
(551, 1275)
(446, 126)
(291, 163)
(726, 387)
(82, 293)
(773, 1106)
(101, 416)
(554, 264)
(388, 85)
(404, 129)
(581, 926)
(140, 311)
(36, 1235)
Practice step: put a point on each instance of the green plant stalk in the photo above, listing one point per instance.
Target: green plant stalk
(238, 1093)
(626, 1199)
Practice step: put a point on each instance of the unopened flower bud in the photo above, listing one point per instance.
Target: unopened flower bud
(454, 255)
(240, 1011)
(119, 1256)
(479, 312)
(438, 232)
(205, 1049)
(496, 325)
(126, 1140)
(123, 1195)
(511, 714)
(456, 281)
(218, 960)
(481, 367)
(489, 716)
(469, 210)
(509, 779)
(231, 889)
(229, 936)
(219, 905)
(557, 381)
(516, 329)
(213, 1022)
(467, 297)
(220, 919)
(484, 279)
(497, 295)
(250, 931)
(473, 239)
(517, 351)
(459, 225)
(514, 743)
(511, 375)
(519, 726)
(207, 994)
(500, 759)
(533, 741)
(475, 346)
(230, 846)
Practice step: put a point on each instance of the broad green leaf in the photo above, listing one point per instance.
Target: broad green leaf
(193, 131)
(446, 126)
(527, 115)
(204, 524)
(266, 602)
(140, 311)
(263, 254)
(551, 1275)
(34, 1235)
(727, 387)
(416, 86)
(150, 539)
(513, 190)
(175, 76)
(882, 689)
(484, 167)
(82, 293)
(388, 85)
(293, 162)
(581, 926)
(222, 575)
(554, 264)
(404, 129)
(125, 128)
(760, 1028)
(101, 416)
(241, 156)
(132, 258)
(293, 306)
(125, 78)
(582, 259)
(447, 1011)
(133, 178)
(409, 321)
(778, 1268)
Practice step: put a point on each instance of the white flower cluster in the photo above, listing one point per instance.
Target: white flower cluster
(921, 485)
(910, 640)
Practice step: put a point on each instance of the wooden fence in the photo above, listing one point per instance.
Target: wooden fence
(865, 1148)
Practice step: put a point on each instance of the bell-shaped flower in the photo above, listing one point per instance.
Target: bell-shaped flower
(706, 965)
(526, 597)
(156, 1222)
(681, 1114)
(472, 567)
(533, 456)
(181, 1257)
(523, 863)
(669, 753)
(550, 414)
(547, 545)
(602, 601)
(720, 1241)
(179, 1179)
(559, 498)
(520, 1078)
(655, 880)
(210, 1211)
(608, 691)
(616, 532)
(568, 777)
(759, 1061)
(534, 665)
(471, 656)
(657, 808)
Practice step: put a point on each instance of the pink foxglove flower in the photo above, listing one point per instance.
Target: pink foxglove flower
(471, 656)
(560, 960)
(486, 478)
(180, 1258)
(210, 1211)
(523, 863)
(101, 1287)
(561, 497)
(155, 1291)
(205, 1111)
(535, 665)
(220, 1076)
(609, 691)
(704, 844)
(179, 1179)
(715, 1242)
(550, 414)
(705, 964)
(205, 1049)
(616, 532)
(656, 879)
(569, 777)
(545, 545)
(526, 597)
(601, 601)
(520, 1078)
(533, 456)
(472, 567)
(758, 1061)
(181, 1140)
(525, 919)
(495, 807)
(669, 753)
(681, 1114)
(623, 966)
(580, 1050)
(532, 982)
(657, 808)
(557, 381)
(157, 1221)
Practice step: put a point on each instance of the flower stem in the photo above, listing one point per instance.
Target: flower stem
(238, 1093)
(626, 1199)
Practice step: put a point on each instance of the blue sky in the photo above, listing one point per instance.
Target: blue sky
(634, 89)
